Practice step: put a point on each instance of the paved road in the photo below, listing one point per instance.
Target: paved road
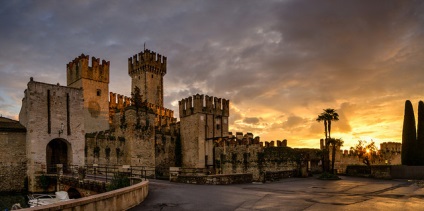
(288, 194)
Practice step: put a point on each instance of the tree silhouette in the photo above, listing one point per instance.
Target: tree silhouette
(137, 102)
(408, 135)
(327, 117)
(365, 151)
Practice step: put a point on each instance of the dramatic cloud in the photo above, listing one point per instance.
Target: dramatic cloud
(251, 120)
(278, 62)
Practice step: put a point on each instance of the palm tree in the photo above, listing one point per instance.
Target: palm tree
(323, 118)
(327, 117)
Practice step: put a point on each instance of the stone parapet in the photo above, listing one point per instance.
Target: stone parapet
(120, 199)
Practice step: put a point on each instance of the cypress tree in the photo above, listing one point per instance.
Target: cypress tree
(419, 149)
(408, 135)
(420, 131)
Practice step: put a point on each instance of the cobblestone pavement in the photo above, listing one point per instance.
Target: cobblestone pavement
(288, 194)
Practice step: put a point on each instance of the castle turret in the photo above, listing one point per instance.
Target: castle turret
(204, 119)
(78, 69)
(147, 70)
(94, 80)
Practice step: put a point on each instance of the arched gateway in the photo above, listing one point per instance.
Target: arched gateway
(58, 151)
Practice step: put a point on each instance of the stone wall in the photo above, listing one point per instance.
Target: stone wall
(165, 153)
(193, 142)
(407, 172)
(343, 160)
(12, 161)
(386, 171)
(105, 149)
(128, 144)
(257, 160)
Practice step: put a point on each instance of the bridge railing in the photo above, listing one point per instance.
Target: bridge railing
(106, 172)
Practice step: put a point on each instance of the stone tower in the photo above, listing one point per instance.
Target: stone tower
(94, 81)
(53, 117)
(203, 120)
(147, 70)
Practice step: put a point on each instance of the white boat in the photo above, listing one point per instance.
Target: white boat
(36, 200)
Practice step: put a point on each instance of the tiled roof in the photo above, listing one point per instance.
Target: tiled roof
(10, 125)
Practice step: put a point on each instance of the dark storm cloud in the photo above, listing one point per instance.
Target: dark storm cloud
(251, 120)
(345, 39)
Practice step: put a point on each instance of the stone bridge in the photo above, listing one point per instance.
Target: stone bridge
(90, 180)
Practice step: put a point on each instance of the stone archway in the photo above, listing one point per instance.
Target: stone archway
(58, 151)
(73, 193)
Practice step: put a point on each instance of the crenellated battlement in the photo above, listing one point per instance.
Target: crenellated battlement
(117, 101)
(79, 68)
(248, 139)
(204, 104)
(164, 116)
(148, 61)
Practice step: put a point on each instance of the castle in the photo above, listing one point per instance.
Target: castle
(83, 123)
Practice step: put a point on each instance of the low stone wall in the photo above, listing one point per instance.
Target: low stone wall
(277, 175)
(407, 172)
(387, 171)
(121, 199)
(375, 171)
(381, 172)
(357, 170)
(220, 179)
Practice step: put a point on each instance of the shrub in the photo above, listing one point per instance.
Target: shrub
(120, 180)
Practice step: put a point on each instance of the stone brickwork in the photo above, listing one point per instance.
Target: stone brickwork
(94, 80)
(165, 151)
(129, 144)
(257, 160)
(13, 159)
(84, 187)
(52, 113)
